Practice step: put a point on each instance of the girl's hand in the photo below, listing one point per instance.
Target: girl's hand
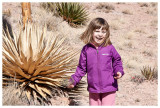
(71, 86)
(118, 75)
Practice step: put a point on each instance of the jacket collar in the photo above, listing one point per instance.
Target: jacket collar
(92, 45)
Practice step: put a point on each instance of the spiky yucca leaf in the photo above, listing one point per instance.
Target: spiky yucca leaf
(37, 61)
(73, 13)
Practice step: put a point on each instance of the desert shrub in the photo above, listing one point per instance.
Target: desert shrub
(149, 73)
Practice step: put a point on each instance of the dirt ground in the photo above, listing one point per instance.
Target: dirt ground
(134, 33)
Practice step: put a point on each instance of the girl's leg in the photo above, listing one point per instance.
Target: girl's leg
(108, 99)
(94, 99)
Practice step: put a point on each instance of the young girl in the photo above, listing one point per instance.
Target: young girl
(102, 63)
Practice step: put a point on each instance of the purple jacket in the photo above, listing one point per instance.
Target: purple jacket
(100, 65)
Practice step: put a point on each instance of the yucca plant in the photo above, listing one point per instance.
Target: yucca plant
(149, 73)
(73, 13)
(37, 61)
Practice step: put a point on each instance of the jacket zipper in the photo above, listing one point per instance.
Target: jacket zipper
(99, 74)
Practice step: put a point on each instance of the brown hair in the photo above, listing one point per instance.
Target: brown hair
(96, 23)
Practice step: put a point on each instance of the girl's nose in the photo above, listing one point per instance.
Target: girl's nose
(100, 33)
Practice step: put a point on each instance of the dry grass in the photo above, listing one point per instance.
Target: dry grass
(105, 7)
(147, 52)
(153, 36)
(134, 63)
(140, 30)
(60, 101)
(42, 17)
(150, 4)
(10, 97)
(131, 64)
(135, 58)
(152, 10)
(126, 41)
(120, 3)
(121, 20)
(119, 45)
(128, 44)
(128, 12)
(129, 35)
(143, 4)
(7, 12)
(154, 4)
(154, 23)
(115, 25)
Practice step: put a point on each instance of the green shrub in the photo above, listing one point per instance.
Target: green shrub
(73, 13)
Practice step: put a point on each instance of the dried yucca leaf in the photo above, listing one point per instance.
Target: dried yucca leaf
(37, 61)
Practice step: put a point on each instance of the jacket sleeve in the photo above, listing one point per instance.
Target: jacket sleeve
(116, 62)
(81, 69)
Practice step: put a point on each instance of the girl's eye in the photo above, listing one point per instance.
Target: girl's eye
(96, 31)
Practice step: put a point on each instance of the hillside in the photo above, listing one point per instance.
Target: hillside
(134, 33)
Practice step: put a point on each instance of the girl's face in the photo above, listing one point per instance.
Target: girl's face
(99, 36)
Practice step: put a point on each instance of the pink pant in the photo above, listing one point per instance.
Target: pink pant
(102, 99)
